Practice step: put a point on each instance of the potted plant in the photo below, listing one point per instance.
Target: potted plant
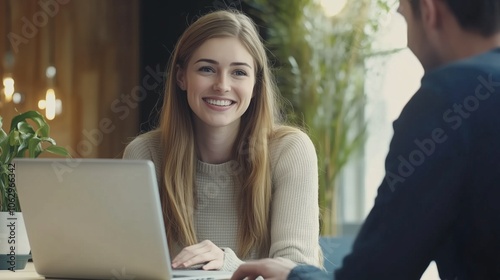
(28, 137)
(321, 71)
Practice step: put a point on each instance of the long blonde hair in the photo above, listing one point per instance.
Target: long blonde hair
(250, 151)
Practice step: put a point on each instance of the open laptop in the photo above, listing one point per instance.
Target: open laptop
(96, 219)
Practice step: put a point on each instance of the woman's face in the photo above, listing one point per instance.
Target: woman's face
(219, 81)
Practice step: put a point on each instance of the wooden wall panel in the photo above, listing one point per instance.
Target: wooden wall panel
(96, 53)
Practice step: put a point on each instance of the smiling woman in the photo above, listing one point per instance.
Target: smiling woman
(230, 172)
(219, 81)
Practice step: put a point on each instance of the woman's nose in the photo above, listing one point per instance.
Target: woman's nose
(222, 84)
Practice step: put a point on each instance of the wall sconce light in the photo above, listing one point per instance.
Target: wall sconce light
(50, 104)
(8, 88)
(8, 93)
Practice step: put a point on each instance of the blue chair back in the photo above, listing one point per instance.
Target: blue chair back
(334, 250)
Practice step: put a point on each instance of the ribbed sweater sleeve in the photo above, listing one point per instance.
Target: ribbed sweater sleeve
(231, 261)
(294, 209)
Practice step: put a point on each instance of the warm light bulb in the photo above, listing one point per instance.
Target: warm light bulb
(41, 104)
(50, 104)
(17, 98)
(8, 84)
(333, 7)
(50, 72)
(58, 106)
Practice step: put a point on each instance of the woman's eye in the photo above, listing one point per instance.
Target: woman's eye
(206, 69)
(240, 73)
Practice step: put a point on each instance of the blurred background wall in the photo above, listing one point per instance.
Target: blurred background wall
(94, 48)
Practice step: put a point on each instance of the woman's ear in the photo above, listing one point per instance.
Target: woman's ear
(180, 77)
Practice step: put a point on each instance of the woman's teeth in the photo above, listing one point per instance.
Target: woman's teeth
(218, 102)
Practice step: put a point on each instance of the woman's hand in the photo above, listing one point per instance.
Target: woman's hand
(205, 252)
(269, 269)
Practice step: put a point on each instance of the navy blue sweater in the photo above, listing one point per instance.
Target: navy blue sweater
(440, 199)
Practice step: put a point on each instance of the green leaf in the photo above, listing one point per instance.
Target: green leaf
(25, 128)
(14, 139)
(49, 140)
(4, 145)
(34, 147)
(23, 146)
(33, 115)
(43, 131)
(3, 135)
(43, 127)
(58, 150)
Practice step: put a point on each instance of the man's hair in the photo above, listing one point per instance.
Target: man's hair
(482, 16)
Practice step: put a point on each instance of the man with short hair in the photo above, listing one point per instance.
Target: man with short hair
(440, 199)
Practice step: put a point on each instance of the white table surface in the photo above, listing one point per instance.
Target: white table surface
(28, 273)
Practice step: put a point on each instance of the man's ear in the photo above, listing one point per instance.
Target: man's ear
(431, 13)
(180, 77)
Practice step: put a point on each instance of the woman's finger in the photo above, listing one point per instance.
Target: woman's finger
(200, 253)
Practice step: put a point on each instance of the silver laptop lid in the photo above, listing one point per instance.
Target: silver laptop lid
(93, 218)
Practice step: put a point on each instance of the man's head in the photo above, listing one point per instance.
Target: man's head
(482, 16)
(437, 28)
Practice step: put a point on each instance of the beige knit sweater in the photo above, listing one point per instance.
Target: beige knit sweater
(295, 212)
